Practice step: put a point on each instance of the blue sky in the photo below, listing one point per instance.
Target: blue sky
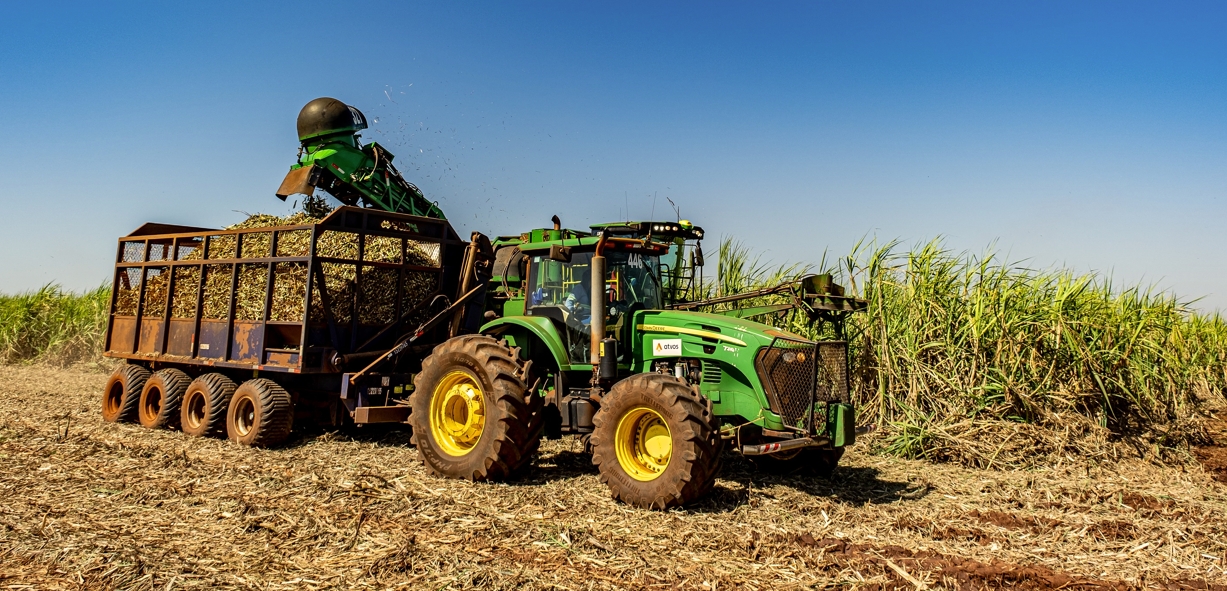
(1091, 135)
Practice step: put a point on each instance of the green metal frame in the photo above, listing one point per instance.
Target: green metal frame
(366, 169)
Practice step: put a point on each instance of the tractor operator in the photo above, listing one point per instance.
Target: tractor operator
(578, 297)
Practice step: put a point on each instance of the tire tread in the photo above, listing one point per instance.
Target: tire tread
(701, 453)
(519, 415)
(132, 379)
(218, 390)
(174, 384)
(274, 411)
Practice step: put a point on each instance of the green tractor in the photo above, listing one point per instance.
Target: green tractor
(596, 333)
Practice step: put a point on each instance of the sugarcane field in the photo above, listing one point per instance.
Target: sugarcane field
(895, 297)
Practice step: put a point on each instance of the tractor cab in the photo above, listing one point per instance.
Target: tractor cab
(681, 266)
(559, 285)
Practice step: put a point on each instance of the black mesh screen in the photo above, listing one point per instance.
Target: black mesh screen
(832, 380)
(798, 375)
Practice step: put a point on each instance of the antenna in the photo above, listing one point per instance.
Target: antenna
(626, 200)
(677, 210)
(653, 207)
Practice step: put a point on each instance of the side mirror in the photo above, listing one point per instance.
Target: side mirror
(696, 256)
(560, 253)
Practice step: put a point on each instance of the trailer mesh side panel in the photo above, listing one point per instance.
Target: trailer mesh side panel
(157, 282)
(222, 247)
(284, 296)
(217, 291)
(427, 253)
(256, 245)
(289, 288)
(183, 301)
(133, 252)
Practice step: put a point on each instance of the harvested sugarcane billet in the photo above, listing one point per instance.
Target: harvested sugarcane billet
(377, 302)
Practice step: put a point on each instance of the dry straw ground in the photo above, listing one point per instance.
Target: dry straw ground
(92, 505)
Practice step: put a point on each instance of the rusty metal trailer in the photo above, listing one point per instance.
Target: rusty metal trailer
(244, 331)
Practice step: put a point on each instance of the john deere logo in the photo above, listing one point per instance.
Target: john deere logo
(666, 347)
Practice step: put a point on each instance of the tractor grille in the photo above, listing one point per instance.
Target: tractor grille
(799, 375)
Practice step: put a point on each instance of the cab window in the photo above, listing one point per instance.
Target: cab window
(560, 291)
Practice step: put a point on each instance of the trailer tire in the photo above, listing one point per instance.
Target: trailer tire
(472, 418)
(261, 414)
(122, 395)
(203, 408)
(656, 442)
(161, 398)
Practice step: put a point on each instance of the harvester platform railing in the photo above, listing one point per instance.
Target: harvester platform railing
(813, 292)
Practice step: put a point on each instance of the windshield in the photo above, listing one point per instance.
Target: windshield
(560, 290)
(630, 278)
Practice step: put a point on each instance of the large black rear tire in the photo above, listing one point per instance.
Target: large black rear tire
(161, 397)
(472, 417)
(261, 414)
(203, 409)
(122, 395)
(656, 442)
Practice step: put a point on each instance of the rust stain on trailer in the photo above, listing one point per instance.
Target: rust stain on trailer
(151, 335)
(247, 342)
(123, 334)
(282, 359)
(181, 335)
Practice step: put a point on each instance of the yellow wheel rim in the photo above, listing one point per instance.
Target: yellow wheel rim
(457, 413)
(643, 443)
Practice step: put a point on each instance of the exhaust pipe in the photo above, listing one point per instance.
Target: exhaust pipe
(596, 293)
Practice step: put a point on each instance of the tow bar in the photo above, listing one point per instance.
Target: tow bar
(815, 441)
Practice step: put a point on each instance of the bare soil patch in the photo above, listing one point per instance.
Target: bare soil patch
(1213, 457)
(92, 505)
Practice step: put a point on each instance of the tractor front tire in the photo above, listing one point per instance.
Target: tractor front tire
(122, 395)
(656, 442)
(161, 397)
(472, 417)
(203, 408)
(261, 414)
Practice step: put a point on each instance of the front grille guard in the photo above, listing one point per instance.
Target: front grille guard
(799, 375)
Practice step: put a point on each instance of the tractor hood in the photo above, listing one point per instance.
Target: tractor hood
(672, 333)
